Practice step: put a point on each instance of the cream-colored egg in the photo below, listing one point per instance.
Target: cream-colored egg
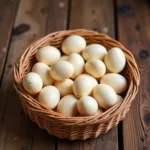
(43, 71)
(49, 96)
(83, 85)
(105, 95)
(73, 44)
(87, 106)
(64, 87)
(116, 81)
(32, 83)
(99, 111)
(119, 98)
(64, 57)
(94, 81)
(61, 70)
(78, 63)
(48, 55)
(95, 68)
(68, 105)
(96, 51)
(115, 60)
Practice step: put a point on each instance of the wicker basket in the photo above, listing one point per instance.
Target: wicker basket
(74, 127)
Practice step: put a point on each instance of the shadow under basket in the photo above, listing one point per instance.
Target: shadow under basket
(74, 127)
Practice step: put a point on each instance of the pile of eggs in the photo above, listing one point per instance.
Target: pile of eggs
(84, 81)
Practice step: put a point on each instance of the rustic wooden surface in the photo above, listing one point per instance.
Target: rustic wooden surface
(7, 16)
(24, 21)
(134, 33)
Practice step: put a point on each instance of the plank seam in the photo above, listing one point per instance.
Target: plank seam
(120, 127)
(69, 13)
(56, 143)
(116, 20)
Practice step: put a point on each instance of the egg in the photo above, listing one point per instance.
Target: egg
(64, 87)
(105, 95)
(78, 63)
(96, 51)
(119, 98)
(116, 81)
(43, 71)
(94, 81)
(83, 85)
(48, 55)
(61, 70)
(73, 44)
(87, 106)
(64, 57)
(49, 96)
(68, 105)
(99, 111)
(32, 83)
(95, 68)
(115, 60)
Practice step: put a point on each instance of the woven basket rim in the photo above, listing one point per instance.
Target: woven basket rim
(105, 116)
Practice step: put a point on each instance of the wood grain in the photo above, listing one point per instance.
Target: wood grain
(42, 140)
(91, 15)
(16, 130)
(57, 12)
(7, 14)
(103, 142)
(134, 33)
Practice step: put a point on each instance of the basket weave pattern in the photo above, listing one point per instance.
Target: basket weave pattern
(74, 127)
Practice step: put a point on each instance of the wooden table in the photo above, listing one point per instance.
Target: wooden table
(24, 21)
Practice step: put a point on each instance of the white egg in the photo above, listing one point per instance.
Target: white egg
(78, 63)
(43, 71)
(64, 87)
(83, 85)
(61, 70)
(105, 95)
(87, 106)
(68, 105)
(94, 81)
(49, 96)
(115, 60)
(119, 98)
(32, 83)
(64, 57)
(99, 111)
(73, 44)
(96, 51)
(48, 55)
(116, 81)
(95, 68)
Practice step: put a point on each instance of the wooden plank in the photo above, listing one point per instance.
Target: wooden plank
(56, 20)
(42, 140)
(7, 13)
(91, 15)
(134, 33)
(106, 141)
(16, 130)
(57, 15)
